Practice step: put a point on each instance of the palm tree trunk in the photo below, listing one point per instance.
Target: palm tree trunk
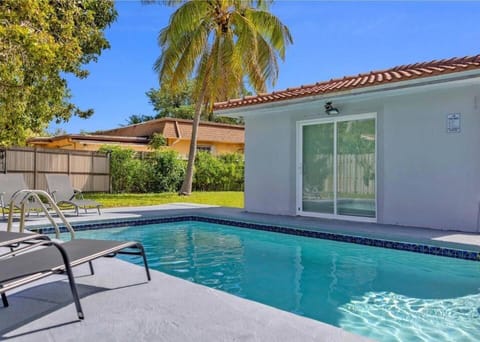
(186, 188)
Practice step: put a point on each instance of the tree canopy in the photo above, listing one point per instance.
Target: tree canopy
(176, 104)
(168, 104)
(221, 45)
(40, 42)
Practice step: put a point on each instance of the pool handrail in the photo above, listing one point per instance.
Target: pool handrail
(23, 196)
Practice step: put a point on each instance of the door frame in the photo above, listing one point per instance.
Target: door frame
(299, 166)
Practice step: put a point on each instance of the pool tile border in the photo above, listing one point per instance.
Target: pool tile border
(367, 241)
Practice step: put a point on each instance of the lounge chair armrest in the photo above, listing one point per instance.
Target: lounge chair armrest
(52, 193)
(78, 192)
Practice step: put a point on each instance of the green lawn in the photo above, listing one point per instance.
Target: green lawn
(224, 199)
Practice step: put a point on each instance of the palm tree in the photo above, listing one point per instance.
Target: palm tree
(222, 44)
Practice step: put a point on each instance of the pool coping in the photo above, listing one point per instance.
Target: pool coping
(422, 248)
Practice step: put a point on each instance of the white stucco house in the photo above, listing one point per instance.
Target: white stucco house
(397, 146)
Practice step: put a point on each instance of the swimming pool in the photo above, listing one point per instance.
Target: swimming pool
(379, 293)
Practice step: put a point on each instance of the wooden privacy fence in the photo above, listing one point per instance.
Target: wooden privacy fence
(88, 171)
(355, 173)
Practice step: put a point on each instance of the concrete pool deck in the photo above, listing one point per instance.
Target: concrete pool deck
(120, 305)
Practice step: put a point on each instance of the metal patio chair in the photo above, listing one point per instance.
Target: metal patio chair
(10, 185)
(13, 240)
(63, 193)
(44, 258)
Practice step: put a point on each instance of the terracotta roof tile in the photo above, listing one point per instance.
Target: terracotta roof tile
(373, 78)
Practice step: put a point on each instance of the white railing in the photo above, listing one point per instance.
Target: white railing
(22, 198)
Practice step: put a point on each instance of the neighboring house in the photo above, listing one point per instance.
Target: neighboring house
(216, 138)
(396, 146)
(89, 142)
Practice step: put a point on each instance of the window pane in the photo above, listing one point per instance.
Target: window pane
(356, 168)
(318, 168)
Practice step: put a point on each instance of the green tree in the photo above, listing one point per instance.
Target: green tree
(138, 118)
(157, 141)
(223, 44)
(180, 104)
(169, 104)
(40, 42)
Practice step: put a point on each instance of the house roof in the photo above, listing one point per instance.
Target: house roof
(373, 78)
(88, 137)
(172, 128)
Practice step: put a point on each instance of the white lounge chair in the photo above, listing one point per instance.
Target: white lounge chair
(10, 185)
(62, 191)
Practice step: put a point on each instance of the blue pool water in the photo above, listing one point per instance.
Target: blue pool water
(380, 293)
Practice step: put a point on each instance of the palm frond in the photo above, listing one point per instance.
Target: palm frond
(220, 42)
(267, 61)
(272, 29)
(186, 19)
(247, 47)
(164, 2)
(192, 49)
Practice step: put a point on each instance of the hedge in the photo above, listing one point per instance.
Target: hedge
(164, 170)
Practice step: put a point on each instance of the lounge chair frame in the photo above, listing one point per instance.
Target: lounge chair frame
(28, 279)
(10, 239)
(68, 262)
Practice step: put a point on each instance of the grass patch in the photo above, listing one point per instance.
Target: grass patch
(221, 198)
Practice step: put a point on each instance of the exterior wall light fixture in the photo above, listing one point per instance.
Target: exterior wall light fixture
(330, 109)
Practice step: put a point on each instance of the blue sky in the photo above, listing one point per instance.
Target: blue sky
(331, 39)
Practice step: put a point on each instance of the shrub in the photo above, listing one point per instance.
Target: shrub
(163, 171)
(122, 167)
(207, 172)
(223, 173)
(167, 170)
(233, 171)
(157, 141)
(141, 177)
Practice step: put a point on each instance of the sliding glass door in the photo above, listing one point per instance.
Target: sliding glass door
(338, 167)
(318, 168)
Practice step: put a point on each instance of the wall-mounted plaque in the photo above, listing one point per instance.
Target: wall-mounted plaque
(453, 123)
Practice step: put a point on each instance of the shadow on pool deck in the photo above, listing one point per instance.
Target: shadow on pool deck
(38, 301)
(118, 307)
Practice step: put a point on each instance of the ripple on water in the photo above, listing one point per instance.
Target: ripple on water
(390, 316)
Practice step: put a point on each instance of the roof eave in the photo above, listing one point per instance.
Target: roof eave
(359, 93)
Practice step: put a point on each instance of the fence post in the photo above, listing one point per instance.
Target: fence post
(110, 189)
(4, 158)
(35, 168)
(92, 170)
(68, 164)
